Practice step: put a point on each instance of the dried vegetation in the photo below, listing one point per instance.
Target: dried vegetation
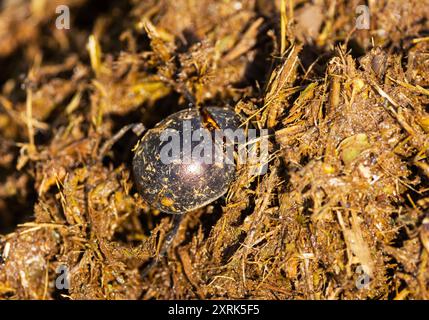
(346, 194)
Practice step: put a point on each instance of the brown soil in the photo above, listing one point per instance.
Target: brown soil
(342, 211)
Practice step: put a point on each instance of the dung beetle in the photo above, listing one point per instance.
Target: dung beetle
(175, 165)
(186, 181)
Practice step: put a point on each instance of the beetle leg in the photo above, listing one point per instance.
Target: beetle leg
(137, 128)
(177, 218)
